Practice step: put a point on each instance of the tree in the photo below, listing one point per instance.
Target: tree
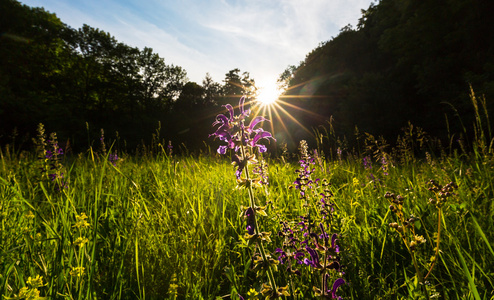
(212, 91)
(32, 55)
(191, 98)
(236, 86)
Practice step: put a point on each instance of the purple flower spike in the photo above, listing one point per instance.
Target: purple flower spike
(233, 132)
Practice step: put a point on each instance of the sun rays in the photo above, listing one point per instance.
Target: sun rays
(289, 115)
(277, 112)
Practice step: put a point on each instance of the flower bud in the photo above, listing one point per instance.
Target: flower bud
(393, 225)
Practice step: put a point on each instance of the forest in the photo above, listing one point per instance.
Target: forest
(406, 62)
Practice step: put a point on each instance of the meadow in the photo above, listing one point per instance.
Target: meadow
(155, 225)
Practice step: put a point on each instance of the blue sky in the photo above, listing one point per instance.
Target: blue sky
(261, 37)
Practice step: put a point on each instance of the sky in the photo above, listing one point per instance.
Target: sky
(262, 37)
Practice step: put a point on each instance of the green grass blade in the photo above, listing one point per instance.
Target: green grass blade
(481, 233)
(471, 282)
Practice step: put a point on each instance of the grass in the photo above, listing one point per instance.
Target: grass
(171, 228)
(156, 226)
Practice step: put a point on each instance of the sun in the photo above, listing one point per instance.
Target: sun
(268, 95)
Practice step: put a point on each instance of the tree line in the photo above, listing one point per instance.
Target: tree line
(79, 81)
(406, 61)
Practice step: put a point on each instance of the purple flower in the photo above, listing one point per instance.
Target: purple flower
(323, 235)
(339, 153)
(314, 261)
(240, 163)
(298, 256)
(56, 151)
(336, 284)
(384, 166)
(333, 243)
(250, 229)
(113, 158)
(231, 130)
(282, 257)
(170, 148)
(260, 134)
(367, 163)
(251, 221)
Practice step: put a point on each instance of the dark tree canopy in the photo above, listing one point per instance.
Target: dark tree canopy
(406, 61)
(75, 79)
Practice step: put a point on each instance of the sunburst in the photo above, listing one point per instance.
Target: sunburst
(274, 106)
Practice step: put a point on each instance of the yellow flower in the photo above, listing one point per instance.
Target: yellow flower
(30, 215)
(35, 282)
(77, 271)
(252, 294)
(80, 241)
(81, 221)
(28, 294)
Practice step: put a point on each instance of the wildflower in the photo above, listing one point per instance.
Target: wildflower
(339, 152)
(282, 257)
(335, 247)
(30, 215)
(233, 131)
(251, 221)
(252, 294)
(80, 241)
(31, 292)
(245, 142)
(235, 134)
(81, 221)
(170, 148)
(77, 271)
(367, 163)
(384, 165)
(50, 154)
(27, 293)
(304, 180)
(113, 158)
(262, 171)
(314, 261)
(50, 157)
(35, 282)
(336, 284)
(102, 142)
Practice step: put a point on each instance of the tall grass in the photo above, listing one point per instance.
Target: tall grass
(169, 227)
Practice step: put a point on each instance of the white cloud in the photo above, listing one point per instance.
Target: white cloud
(258, 36)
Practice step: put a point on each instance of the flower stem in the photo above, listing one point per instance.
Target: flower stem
(256, 226)
(438, 240)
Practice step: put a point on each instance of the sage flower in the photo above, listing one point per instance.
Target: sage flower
(336, 284)
(232, 131)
